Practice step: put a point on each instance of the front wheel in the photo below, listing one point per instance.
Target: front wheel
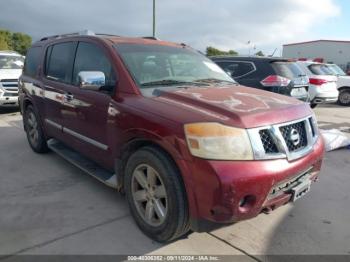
(156, 195)
(313, 105)
(344, 97)
(35, 134)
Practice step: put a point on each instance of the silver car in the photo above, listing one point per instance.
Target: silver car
(323, 84)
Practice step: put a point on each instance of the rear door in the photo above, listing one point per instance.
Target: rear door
(241, 71)
(57, 77)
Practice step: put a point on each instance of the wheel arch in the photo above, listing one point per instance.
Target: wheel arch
(131, 147)
(180, 164)
(344, 88)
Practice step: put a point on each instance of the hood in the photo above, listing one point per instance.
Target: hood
(236, 105)
(10, 73)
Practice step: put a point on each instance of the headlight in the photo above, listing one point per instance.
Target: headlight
(218, 142)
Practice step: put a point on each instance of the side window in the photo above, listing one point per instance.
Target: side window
(90, 57)
(32, 61)
(59, 59)
(237, 69)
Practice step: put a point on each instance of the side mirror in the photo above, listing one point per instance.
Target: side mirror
(91, 80)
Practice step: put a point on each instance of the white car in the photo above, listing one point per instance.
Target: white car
(343, 84)
(322, 83)
(11, 64)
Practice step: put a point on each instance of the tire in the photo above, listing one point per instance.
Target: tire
(167, 199)
(35, 134)
(313, 105)
(344, 97)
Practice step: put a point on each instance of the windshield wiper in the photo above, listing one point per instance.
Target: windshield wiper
(213, 80)
(168, 82)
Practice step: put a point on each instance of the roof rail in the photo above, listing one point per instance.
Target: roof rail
(150, 37)
(106, 34)
(84, 32)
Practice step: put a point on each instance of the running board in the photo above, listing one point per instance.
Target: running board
(88, 166)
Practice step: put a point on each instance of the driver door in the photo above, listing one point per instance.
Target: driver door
(85, 112)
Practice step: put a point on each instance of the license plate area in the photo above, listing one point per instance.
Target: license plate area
(300, 91)
(301, 189)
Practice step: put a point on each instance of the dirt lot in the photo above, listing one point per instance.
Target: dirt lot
(47, 206)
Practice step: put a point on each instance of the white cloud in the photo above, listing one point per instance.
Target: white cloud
(227, 24)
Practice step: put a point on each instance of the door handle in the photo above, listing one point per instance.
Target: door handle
(68, 97)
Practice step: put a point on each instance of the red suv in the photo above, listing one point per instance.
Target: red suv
(159, 121)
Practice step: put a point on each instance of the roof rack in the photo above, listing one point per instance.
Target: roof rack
(84, 32)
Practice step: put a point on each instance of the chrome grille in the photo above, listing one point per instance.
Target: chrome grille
(300, 129)
(290, 140)
(268, 143)
(8, 80)
(10, 85)
(10, 94)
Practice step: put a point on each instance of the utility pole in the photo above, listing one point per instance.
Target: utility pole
(154, 18)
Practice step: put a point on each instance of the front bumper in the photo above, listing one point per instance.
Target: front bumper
(9, 101)
(325, 97)
(229, 191)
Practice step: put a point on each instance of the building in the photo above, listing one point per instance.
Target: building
(331, 51)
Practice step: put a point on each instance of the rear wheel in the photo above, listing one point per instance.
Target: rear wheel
(34, 131)
(156, 195)
(344, 97)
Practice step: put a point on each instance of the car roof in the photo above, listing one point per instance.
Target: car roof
(250, 58)
(114, 39)
(310, 63)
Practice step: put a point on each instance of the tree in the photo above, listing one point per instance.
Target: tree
(3, 43)
(18, 42)
(5, 40)
(21, 42)
(212, 51)
(260, 53)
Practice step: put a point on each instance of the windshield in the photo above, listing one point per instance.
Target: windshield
(11, 62)
(320, 69)
(159, 66)
(336, 70)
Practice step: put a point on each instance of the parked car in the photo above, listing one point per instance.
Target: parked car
(343, 84)
(272, 74)
(159, 121)
(323, 84)
(11, 64)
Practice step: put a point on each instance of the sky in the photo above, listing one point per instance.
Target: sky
(241, 25)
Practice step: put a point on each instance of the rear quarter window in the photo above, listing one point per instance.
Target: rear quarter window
(319, 69)
(32, 61)
(289, 70)
(237, 69)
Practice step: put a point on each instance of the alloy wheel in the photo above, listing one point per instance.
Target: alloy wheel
(344, 97)
(32, 128)
(149, 195)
